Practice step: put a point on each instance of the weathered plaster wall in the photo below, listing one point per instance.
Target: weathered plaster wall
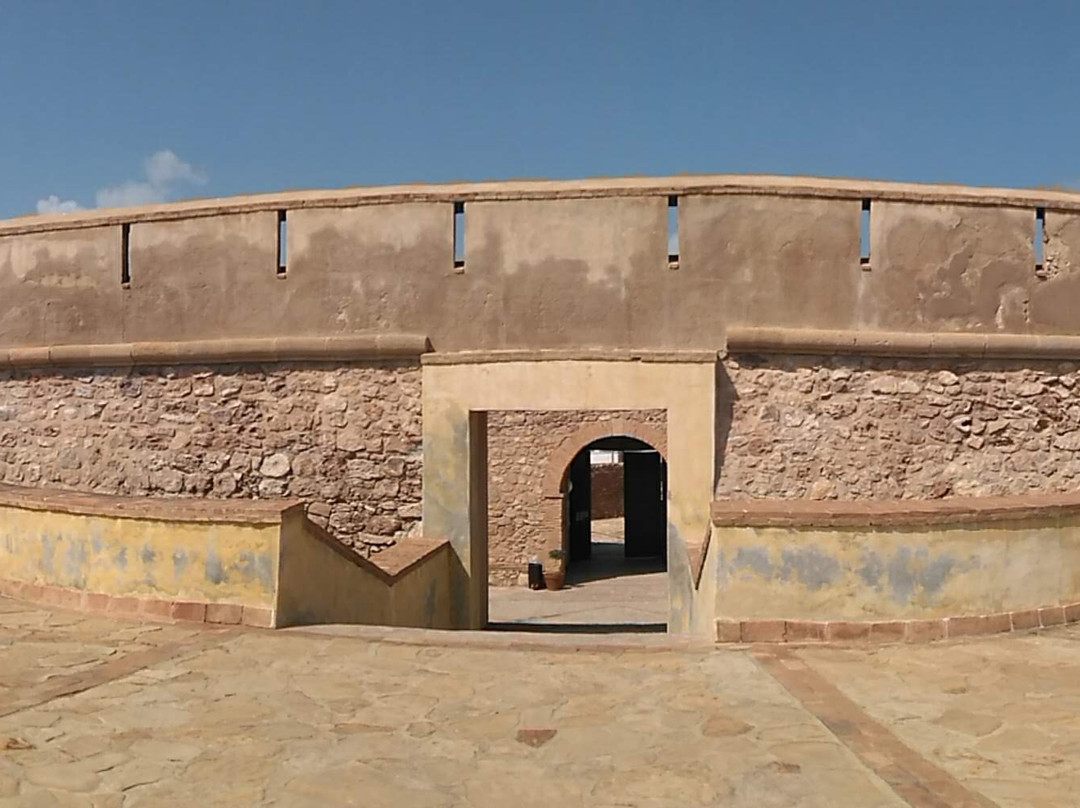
(819, 573)
(875, 428)
(61, 287)
(765, 260)
(520, 449)
(203, 278)
(154, 558)
(345, 438)
(550, 265)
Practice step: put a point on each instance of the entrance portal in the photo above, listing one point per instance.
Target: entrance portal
(610, 522)
(616, 514)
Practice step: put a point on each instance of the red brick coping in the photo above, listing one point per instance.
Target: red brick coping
(895, 512)
(883, 631)
(143, 608)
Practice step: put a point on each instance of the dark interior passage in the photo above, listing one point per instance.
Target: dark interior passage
(639, 544)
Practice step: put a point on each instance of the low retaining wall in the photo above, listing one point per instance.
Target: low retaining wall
(320, 581)
(899, 570)
(260, 563)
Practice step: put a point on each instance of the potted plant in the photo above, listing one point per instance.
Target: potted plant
(555, 577)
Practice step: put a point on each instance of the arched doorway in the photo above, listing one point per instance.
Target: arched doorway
(609, 532)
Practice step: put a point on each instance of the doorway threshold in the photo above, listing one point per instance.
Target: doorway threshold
(579, 628)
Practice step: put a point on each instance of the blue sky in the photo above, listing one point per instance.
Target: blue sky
(108, 102)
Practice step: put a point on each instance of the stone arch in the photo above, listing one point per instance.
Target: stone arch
(559, 461)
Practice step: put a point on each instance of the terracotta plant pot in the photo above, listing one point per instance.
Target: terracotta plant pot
(555, 579)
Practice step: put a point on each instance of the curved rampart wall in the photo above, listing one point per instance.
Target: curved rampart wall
(549, 264)
(894, 570)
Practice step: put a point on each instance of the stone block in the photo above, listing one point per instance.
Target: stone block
(257, 617)
(10, 589)
(805, 630)
(189, 610)
(124, 605)
(96, 602)
(1072, 612)
(33, 592)
(976, 625)
(847, 631)
(225, 613)
(159, 609)
(762, 630)
(70, 598)
(925, 630)
(888, 630)
(726, 630)
(1024, 620)
(1052, 616)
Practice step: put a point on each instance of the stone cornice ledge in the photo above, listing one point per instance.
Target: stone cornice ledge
(892, 513)
(568, 355)
(900, 343)
(202, 352)
(164, 509)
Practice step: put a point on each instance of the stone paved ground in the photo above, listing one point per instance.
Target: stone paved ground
(606, 590)
(97, 712)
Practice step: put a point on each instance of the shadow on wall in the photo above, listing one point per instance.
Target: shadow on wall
(726, 396)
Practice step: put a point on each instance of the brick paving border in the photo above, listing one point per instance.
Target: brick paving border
(113, 668)
(920, 783)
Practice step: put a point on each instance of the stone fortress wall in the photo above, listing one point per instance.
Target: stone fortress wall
(270, 346)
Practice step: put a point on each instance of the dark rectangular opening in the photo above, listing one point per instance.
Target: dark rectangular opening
(282, 247)
(864, 235)
(459, 235)
(1040, 236)
(125, 256)
(673, 229)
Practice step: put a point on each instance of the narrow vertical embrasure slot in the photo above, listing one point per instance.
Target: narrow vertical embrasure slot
(125, 256)
(282, 246)
(673, 230)
(864, 235)
(1040, 238)
(459, 235)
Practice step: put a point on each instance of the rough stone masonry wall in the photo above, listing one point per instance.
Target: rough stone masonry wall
(520, 445)
(345, 438)
(876, 428)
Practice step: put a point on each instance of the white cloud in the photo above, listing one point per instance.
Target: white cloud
(165, 175)
(164, 168)
(164, 172)
(130, 193)
(53, 204)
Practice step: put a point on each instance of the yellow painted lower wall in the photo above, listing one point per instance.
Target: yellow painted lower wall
(827, 573)
(123, 556)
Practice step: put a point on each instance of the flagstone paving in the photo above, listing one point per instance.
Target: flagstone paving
(100, 712)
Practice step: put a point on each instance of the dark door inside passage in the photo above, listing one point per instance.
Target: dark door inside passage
(645, 500)
(579, 502)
